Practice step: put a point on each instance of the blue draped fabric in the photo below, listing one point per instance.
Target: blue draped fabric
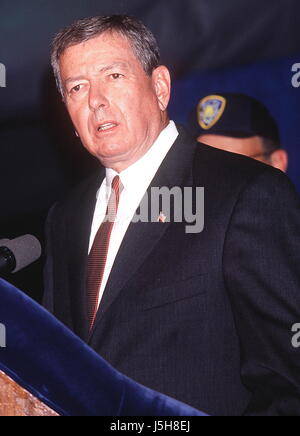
(54, 365)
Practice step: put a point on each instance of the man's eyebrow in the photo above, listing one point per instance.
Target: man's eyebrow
(122, 65)
(73, 79)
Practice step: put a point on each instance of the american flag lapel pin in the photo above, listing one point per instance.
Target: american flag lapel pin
(162, 218)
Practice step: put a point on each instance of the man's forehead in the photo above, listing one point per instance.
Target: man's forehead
(105, 41)
(103, 52)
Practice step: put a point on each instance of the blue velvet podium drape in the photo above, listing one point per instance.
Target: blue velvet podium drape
(54, 365)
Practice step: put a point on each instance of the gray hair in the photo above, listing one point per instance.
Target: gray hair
(140, 37)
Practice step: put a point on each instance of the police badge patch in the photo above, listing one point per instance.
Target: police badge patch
(210, 110)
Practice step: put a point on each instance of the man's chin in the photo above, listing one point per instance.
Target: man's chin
(109, 157)
(105, 150)
(111, 154)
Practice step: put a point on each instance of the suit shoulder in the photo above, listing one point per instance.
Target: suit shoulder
(223, 159)
(225, 168)
(229, 175)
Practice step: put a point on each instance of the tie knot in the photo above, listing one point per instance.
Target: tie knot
(113, 204)
(117, 185)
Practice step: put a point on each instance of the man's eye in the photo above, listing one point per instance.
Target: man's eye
(76, 89)
(116, 76)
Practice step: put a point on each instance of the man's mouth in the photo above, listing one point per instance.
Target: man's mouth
(106, 126)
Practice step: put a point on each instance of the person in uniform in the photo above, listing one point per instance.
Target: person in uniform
(239, 124)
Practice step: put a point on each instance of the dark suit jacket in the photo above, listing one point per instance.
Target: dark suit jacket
(205, 318)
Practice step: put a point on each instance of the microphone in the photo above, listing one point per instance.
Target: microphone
(16, 254)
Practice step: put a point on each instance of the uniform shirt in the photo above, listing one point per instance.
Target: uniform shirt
(135, 180)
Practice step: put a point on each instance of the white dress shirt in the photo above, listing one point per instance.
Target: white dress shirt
(135, 180)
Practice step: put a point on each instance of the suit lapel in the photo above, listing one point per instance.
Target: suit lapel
(79, 222)
(141, 238)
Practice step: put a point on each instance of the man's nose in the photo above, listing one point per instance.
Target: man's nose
(98, 98)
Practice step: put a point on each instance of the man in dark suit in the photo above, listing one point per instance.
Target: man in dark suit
(203, 316)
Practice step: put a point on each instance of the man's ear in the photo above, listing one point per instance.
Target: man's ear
(280, 160)
(162, 83)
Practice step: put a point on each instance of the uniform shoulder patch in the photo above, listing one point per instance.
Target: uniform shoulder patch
(210, 110)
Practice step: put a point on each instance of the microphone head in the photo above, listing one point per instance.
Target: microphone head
(26, 250)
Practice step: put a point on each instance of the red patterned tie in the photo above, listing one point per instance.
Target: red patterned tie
(98, 254)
